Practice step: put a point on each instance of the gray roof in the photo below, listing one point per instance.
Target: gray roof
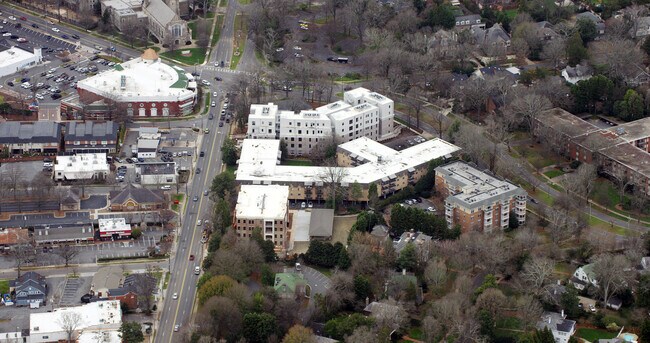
(321, 222)
(556, 321)
(411, 237)
(91, 131)
(160, 12)
(29, 281)
(157, 168)
(495, 34)
(30, 132)
(68, 234)
(377, 306)
(580, 70)
(129, 284)
(472, 18)
(138, 194)
(590, 16)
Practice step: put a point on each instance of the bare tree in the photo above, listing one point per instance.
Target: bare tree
(554, 51)
(358, 9)
(70, 321)
(528, 107)
(145, 287)
(14, 177)
(415, 103)
(536, 273)
(203, 28)
(491, 300)
(612, 275)
(67, 253)
(529, 310)
(390, 315)
(332, 177)
(620, 58)
(362, 334)
(472, 94)
(23, 253)
(435, 273)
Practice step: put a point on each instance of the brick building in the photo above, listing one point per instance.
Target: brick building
(478, 201)
(265, 207)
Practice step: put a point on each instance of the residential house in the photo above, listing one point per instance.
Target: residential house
(545, 31)
(553, 292)
(469, 21)
(494, 41)
(614, 303)
(380, 232)
(578, 73)
(127, 293)
(645, 263)
(642, 27)
(91, 137)
(443, 43)
(594, 18)
(41, 137)
(583, 277)
(290, 284)
(71, 200)
(423, 244)
(561, 327)
(309, 224)
(133, 198)
(30, 288)
(376, 307)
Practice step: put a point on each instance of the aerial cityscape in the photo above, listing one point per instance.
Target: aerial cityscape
(298, 171)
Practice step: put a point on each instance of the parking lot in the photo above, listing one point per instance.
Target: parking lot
(36, 37)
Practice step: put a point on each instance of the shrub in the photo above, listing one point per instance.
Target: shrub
(575, 164)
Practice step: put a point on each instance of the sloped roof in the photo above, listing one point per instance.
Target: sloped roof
(29, 132)
(160, 12)
(321, 222)
(138, 194)
(91, 130)
(149, 54)
(33, 280)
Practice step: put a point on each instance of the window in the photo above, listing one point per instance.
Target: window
(104, 142)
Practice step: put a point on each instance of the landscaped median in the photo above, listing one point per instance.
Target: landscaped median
(239, 43)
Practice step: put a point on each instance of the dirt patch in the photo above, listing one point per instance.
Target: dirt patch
(342, 226)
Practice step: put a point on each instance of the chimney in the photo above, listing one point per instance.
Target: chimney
(562, 314)
(403, 271)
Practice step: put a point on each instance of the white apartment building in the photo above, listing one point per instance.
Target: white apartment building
(362, 114)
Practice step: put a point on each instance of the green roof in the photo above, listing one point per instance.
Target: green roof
(182, 78)
(287, 282)
(118, 67)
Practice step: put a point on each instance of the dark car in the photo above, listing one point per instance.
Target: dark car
(65, 36)
(55, 96)
(86, 298)
(211, 116)
(19, 25)
(222, 64)
(10, 84)
(75, 36)
(140, 159)
(23, 18)
(218, 78)
(14, 37)
(198, 170)
(220, 124)
(35, 26)
(44, 73)
(48, 37)
(24, 79)
(191, 257)
(331, 59)
(202, 153)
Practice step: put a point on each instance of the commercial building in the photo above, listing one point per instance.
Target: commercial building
(362, 113)
(264, 207)
(113, 228)
(91, 137)
(621, 151)
(361, 161)
(41, 137)
(16, 59)
(141, 87)
(101, 319)
(81, 167)
(478, 201)
(147, 148)
(154, 173)
(62, 235)
(133, 198)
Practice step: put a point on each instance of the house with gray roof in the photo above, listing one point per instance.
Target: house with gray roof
(578, 73)
(594, 18)
(30, 288)
(321, 223)
(423, 244)
(135, 198)
(91, 137)
(41, 137)
(561, 327)
(470, 20)
(493, 41)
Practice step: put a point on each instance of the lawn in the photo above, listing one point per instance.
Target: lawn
(223, 3)
(593, 335)
(349, 77)
(4, 286)
(605, 193)
(217, 29)
(167, 277)
(244, 2)
(553, 173)
(197, 55)
(192, 26)
(110, 58)
(535, 156)
(512, 323)
(601, 224)
(178, 197)
(241, 27)
(416, 333)
(306, 163)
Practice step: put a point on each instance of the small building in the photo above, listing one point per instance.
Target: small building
(642, 27)
(16, 59)
(147, 148)
(62, 235)
(423, 244)
(40, 137)
(156, 173)
(290, 285)
(105, 278)
(71, 200)
(81, 167)
(561, 327)
(265, 207)
(30, 289)
(645, 263)
(97, 319)
(594, 18)
(127, 293)
(578, 73)
(478, 201)
(91, 137)
(584, 277)
(133, 198)
(12, 236)
(113, 229)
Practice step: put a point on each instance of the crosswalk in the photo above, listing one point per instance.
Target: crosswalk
(226, 70)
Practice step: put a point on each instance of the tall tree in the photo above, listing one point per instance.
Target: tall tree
(612, 275)
(258, 327)
(131, 332)
(299, 334)
(70, 322)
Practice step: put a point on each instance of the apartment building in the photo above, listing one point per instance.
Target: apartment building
(478, 201)
(265, 207)
(362, 113)
(41, 137)
(362, 161)
(91, 137)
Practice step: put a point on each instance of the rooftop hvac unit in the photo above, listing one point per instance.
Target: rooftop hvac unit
(123, 82)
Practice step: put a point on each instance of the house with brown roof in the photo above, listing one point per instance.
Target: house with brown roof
(133, 198)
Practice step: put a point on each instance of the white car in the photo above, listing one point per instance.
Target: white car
(12, 17)
(279, 49)
(176, 327)
(166, 188)
(55, 29)
(297, 48)
(8, 34)
(175, 296)
(214, 94)
(21, 40)
(431, 209)
(225, 106)
(205, 82)
(39, 97)
(213, 104)
(198, 222)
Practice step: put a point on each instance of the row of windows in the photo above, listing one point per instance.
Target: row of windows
(251, 221)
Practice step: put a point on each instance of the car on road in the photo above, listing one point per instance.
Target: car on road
(197, 270)
(211, 116)
(213, 104)
(176, 327)
(202, 153)
(191, 257)
(196, 198)
(35, 26)
(205, 82)
(215, 94)
(166, 187)
(199, 222)
(55, 29)
(533, 200)
(279, 49)
(206, 192)
(23, 18)
(75, 36)
(297, 48)
(175, 296)
(65, 36)
(206, 130)
(10, 84)
(198, 170)
(218, 78)
(220, 124)
(6, 34)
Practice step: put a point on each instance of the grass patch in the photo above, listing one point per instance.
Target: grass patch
(539, 159)
(192, 26)
(339, 94)
(544, 197)
(241, 28)
(110, 58)
(197, 56)
(416, 333)
(223, 3)
(512, 323)
(325, 271)
(593, 335)
(322, 20)
(178, 197)
(244, 2)
(307, 163)
(605, 193)
(166, 282)
(603, 225)
(512, 13)
(553, 173)
(217, 30)
(231, 169)
(4, 286)
(349, 77)
(556, 187)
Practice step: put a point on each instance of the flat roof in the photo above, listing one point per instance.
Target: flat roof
(259, 158)
(82, 164)
(631, 157)
(157, 168)
(14, 55)
(477, 188)
(113, 225)
(566, 123)
(101, 314)
(262, 202)
(633, 131)
(140, 79)
(367, 149)
(300, 226)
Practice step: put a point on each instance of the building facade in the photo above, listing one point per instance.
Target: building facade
(113, 228)
(478, 201)
(265, 207)
(91, 137)
(41, 137)
(362, 113)
(141, 87)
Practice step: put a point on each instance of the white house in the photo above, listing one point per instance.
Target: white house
(578, 73)
(583, 277)
(561, 327)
